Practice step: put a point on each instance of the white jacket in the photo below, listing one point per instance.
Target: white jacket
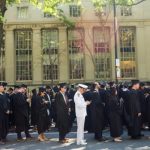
(80, 105)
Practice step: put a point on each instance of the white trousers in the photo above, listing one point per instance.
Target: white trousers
(80, 129)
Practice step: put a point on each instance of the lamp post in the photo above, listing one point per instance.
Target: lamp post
(115, 42)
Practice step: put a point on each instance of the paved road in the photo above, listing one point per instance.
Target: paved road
(52, 144)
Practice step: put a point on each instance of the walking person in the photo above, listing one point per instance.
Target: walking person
(80, 108)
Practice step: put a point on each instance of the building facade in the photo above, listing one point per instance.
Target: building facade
(40, 49)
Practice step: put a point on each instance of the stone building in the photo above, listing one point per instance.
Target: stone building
(40, 49)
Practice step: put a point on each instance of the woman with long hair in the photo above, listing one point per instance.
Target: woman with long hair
(42, 114)
(115, 115)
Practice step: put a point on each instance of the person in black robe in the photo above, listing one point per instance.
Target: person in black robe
(8, 95)
(48, 98)
(134, 111)
(71, 94)
(97, 112)
(12, 96)
(42, 114)
(21, 114)
(114, 111)
(63, 113)
(88, 119)
(33, 108)
(143, 105)
(4, 112)
(147, 96)
(104, 94)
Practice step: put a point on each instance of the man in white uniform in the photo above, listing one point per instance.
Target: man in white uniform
(80, 107)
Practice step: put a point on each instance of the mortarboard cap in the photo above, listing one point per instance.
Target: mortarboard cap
(133, 82)
(3, 83)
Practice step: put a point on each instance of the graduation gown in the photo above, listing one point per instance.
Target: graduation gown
(97, 111)
(3, 116)
(20, 112)
(42, 115)
(115, 116)
(88, 120)
(33, 110)
(133, 110)
(143, 105)
(62, 110)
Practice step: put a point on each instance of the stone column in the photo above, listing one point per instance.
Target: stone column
(37, 56)
(63, 55)
(10, 69)
(88, 48)
(144, 51)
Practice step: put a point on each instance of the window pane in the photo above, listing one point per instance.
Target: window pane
(127, 52)
(23, 46)
(22, 12)
(75, 10)
(126, 11)
(50, 54)
(102, 52)
(76, 53)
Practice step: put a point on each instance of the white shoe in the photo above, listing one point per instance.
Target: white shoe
(83, 142)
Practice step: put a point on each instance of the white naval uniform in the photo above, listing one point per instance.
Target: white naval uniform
(80, 107)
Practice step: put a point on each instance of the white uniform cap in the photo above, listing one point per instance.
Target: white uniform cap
(83, 86)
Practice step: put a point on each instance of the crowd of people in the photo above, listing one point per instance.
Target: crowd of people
(94, 106)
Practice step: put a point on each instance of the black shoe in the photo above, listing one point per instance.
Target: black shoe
(101, 139)
(141, 135)
(136, 137)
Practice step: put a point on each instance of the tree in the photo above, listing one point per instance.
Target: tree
(99, 6)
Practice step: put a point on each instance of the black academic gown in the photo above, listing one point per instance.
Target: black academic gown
(143, 105)
(12, 118)
(3, 117)
(62, 109)
(42, 115)
(33, 110)
(71, 94)
(97, 113)
(20, 112)
(88, 119)
(48, 98)
(148, 109)
(133, 110)
(115, 116)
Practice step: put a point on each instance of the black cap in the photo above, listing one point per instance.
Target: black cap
(16, 86)
(2, 83)
(48, 87)
(61, 85)
(24, 86)
(135, 82)
(42, 89)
